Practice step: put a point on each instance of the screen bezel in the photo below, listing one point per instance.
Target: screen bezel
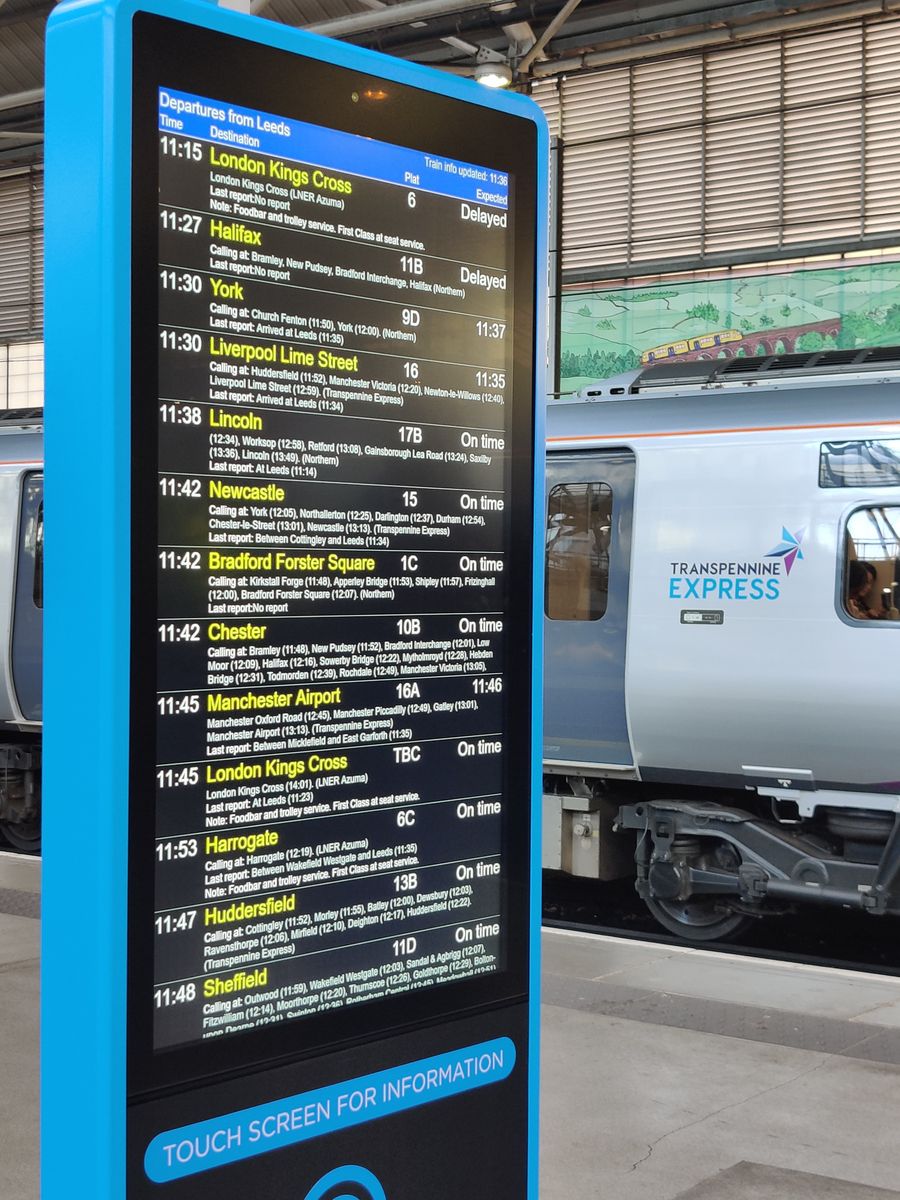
(193, 59)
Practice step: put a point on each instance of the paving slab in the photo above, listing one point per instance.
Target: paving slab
(636, 1112)
(756, 1181)
(761, 983)
(580, 957)
(20, 939)
(19, 1074)
(20, 872)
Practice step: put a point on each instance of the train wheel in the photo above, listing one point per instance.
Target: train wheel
(25, 836)
(703, 918)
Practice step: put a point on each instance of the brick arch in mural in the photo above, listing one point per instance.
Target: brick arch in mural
(764, 341)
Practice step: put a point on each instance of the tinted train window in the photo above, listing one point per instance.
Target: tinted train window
(38, 587)
(860, 464)
(871, 587)
(28, 617)
(579, 525)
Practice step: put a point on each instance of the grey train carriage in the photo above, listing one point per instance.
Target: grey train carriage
(722, 637)
(21, 621)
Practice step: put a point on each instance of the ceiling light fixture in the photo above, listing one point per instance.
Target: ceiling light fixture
(493, 74)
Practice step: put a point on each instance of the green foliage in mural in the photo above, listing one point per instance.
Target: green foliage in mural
(594, 364)
(704, 312)
(807, 342)
(639, 297)
(859, 330)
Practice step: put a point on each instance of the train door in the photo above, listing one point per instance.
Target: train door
(29, 610)
(589, 505)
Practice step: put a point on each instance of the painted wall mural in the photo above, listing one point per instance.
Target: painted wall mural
(606, 331)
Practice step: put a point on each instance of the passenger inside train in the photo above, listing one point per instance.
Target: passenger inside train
(872, 574)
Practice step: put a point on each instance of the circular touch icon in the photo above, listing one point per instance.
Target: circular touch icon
(347, 1183)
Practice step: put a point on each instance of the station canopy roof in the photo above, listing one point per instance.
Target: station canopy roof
(533, 39)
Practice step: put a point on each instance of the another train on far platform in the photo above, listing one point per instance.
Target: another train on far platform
(722, 642)
(21, 622)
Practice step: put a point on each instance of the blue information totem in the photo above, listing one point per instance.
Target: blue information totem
(295, 300)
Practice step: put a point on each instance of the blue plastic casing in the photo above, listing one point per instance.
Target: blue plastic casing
(87, 615)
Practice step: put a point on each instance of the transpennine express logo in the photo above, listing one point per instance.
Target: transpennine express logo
(738, 579)
(788, 549)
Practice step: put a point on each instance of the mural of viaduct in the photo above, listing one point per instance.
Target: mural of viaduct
(766, 341)
(787, 309)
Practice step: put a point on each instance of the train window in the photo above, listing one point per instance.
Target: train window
(579, 523)
(871, 463)
(38, 588)
(872, 564)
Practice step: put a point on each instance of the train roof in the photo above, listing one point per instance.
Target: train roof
(812, 392)
(21, 437)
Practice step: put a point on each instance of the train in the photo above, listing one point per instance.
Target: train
(722, 636)
(705, 341)
(21, 620)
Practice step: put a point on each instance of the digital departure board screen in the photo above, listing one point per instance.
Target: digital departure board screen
(335, 598)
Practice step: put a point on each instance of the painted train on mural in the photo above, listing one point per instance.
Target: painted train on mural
(709, 343)
(722, 636)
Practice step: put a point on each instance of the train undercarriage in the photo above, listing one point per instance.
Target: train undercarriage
(708, 868)
(20, 794)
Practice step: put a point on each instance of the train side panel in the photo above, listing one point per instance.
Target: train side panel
(9, 531)
(588, 550)
(21, 495)
(758, 697)
(589, 504)
(27, 632)
(743, 668)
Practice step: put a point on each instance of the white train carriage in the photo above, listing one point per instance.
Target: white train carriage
(722, 692)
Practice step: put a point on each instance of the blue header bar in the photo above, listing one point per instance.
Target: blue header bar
(247, 130)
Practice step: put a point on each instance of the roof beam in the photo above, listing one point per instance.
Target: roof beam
(393, 14)
(21, 99)
(557, 23)
(725, 34)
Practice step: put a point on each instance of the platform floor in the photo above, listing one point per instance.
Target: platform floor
(673, 1073)
(19, 993)
(668, 1074)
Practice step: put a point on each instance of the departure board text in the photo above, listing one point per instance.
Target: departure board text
(334, 366)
